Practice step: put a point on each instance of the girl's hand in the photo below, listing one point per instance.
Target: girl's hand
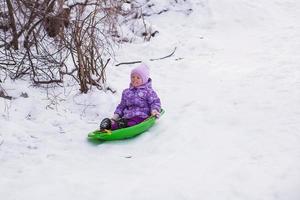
(115, 117)
(155, 113)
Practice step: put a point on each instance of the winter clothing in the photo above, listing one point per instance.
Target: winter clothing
(115, 117)
(138, 101)
(105, 124)
(122, 122)
(142, 71)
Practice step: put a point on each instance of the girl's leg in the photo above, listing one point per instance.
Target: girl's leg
(114, 125)
(134, 121)
(123, 123)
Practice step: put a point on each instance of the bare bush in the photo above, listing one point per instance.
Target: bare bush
(37, 37)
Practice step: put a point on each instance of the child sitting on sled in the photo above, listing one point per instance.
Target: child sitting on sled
(138, 102)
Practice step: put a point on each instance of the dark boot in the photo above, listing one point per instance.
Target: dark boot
(105, 124)
(122, 123)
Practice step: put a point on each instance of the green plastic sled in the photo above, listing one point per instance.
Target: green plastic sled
(124, 133)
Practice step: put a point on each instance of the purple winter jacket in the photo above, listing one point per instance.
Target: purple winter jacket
(138, 101)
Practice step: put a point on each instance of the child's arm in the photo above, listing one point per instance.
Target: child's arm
(154, 102)
(120, 108)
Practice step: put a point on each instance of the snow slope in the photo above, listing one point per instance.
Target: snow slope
(231, 129)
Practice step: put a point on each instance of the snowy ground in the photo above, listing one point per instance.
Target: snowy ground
(231, 129)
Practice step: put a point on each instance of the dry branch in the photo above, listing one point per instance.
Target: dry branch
(165, 56)
(3, 94)
(128, 63)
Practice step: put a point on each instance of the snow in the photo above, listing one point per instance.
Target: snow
(231, 130)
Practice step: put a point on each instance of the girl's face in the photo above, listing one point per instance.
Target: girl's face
(136, 80)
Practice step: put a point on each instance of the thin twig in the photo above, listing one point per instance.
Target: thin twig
(128, 63)
(165, 56)
(3, 94)
(112, 90)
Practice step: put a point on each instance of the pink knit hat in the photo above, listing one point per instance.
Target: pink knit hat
(142, 71)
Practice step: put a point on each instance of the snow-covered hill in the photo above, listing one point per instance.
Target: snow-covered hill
(231, 92)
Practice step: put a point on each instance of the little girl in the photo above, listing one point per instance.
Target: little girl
(138, 102)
